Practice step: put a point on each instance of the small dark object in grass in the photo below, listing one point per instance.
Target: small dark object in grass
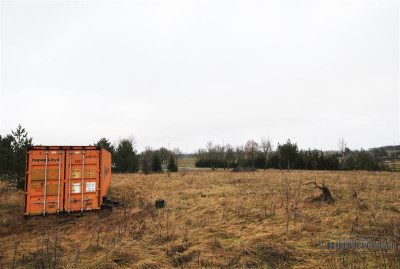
(108, 204)
(160, 203)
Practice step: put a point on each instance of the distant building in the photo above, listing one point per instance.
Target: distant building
(386, 159)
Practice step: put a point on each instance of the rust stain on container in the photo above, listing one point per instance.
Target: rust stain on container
(54, 182)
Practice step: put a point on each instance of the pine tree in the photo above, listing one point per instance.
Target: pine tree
(106, 144)
(156, 164)
(172, 166)
(126, 158)
(20, 144)
(7, 156)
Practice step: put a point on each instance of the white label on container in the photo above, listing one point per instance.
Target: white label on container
(77, 152)
(76, 188)
(54, 152)
(90, 186)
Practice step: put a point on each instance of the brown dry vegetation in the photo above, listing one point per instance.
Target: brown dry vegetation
(209, 221)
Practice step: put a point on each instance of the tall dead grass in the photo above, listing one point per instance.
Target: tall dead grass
(209, 220)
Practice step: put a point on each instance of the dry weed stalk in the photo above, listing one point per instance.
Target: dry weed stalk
(296, 202)
(287, 196)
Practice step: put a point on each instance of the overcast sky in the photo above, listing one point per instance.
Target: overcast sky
(181, 73)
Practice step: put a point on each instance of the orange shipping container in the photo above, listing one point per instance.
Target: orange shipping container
(65, 179)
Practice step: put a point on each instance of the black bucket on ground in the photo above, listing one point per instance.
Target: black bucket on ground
(160, 203)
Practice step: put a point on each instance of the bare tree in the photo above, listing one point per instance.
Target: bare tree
(210, 150)
(266, 148)
(240, 155)
(251, 149)
(164, 155)
(342, 146)
(177, 152)
(219, 153)
(147, 156)
(229, 155)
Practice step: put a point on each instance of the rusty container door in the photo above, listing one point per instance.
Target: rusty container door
(44, 177)
(82, 179)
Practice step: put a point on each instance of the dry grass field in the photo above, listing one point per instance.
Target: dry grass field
(187, 163)
(209, 221)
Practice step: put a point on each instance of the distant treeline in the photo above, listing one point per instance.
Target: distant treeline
(262, 155)
(384, 151)
(125, 158)
(287, 156)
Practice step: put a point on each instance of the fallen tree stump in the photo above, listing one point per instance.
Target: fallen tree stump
(325, 196)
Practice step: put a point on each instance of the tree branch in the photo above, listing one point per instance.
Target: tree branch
(321, 188)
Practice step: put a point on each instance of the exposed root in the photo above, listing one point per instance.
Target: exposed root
(325, 196)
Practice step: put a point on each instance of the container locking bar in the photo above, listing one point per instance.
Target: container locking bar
(59, 183)
(69, 182)
(83, 177)
(45, 184)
